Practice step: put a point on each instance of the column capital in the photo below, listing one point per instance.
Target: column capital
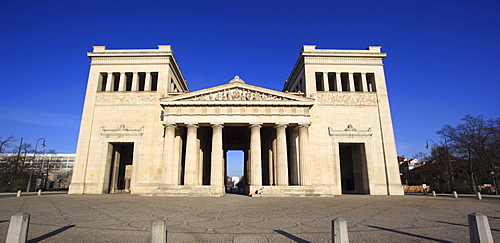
(304, 125)
(279, 125)
(192, 125)
(169, 125)
(217, 125)
(257, 125)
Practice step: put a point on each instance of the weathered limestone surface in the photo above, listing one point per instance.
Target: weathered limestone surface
(328, 132)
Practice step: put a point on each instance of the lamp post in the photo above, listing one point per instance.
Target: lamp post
(494, 182)
(33, 161)
(440, 169)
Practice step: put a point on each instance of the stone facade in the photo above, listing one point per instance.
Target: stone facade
(328, 132)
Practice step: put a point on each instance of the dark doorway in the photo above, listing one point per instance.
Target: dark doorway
(354, 174)
(122, 156)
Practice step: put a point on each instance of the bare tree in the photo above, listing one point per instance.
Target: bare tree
(6, 143)
(477, 140)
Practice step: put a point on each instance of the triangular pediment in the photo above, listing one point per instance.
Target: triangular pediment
(237, 92)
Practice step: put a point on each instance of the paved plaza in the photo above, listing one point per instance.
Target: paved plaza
(235, 218)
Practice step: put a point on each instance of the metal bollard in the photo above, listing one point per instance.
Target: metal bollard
(158, 231)
(455, 195)
(18, 228)
(433, 193)
(479, 196)
(40, 192)
(19, 193)
(479, 228)
(339, 231)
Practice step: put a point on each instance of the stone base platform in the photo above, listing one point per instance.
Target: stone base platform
(261, 191)
(183, 191)
(287, 191)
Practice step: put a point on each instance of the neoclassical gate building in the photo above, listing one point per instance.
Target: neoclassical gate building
(328, 132)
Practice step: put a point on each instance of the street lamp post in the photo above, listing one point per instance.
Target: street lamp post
(441, 187)
(33, 161)
(494, 182)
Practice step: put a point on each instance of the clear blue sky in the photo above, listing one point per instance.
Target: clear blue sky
(443, 56)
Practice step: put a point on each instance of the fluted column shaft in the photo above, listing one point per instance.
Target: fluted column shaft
(326, 85)
(293, 156)
(109, 82)
(135, 81)
(363, 82)
(191, 164)
(338, 78)
(303, 154)
(351, 82)
(123, 82)
(168, 155)
(147, 85)
(282, 158)
(217, 170)
(255, 156)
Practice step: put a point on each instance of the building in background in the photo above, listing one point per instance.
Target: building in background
(328, 132)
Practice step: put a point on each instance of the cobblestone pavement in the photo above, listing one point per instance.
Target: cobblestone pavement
(235, 218)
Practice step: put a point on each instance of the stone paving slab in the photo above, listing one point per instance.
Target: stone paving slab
(235, 218)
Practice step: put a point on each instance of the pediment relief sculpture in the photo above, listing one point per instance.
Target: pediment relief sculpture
(236, 94)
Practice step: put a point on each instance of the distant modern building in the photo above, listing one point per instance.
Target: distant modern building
(59, 163)
(328, 132)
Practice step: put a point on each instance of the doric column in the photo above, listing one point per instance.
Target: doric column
(363, 82)
(338, 82)
(169, 175)
(217, 170)
(303, 154)
(255, 156)
(135, 81)
(147, 85)
(191, 164)
(351, 82)
(123, 82)
(177, 156)
(282, 158)
(294, 158)
(325, 81)
(109, 82)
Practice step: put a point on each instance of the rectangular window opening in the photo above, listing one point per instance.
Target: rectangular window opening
(142, 81)
(357, 82)
(116, 83)
(128, 81)
(332, 81)
(103, 82)
(319, 82)
(370, 80)
(344, 78)
(154, 81)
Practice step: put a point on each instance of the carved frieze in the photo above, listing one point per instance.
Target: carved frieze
(119, 99)
(122, 131)
(347, 99)
(350, 132)
(236, 94)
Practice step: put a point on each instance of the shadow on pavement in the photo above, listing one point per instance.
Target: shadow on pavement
(3, 221)
(50, 234)
(290, 236)
(409, 234)
(465, 225)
